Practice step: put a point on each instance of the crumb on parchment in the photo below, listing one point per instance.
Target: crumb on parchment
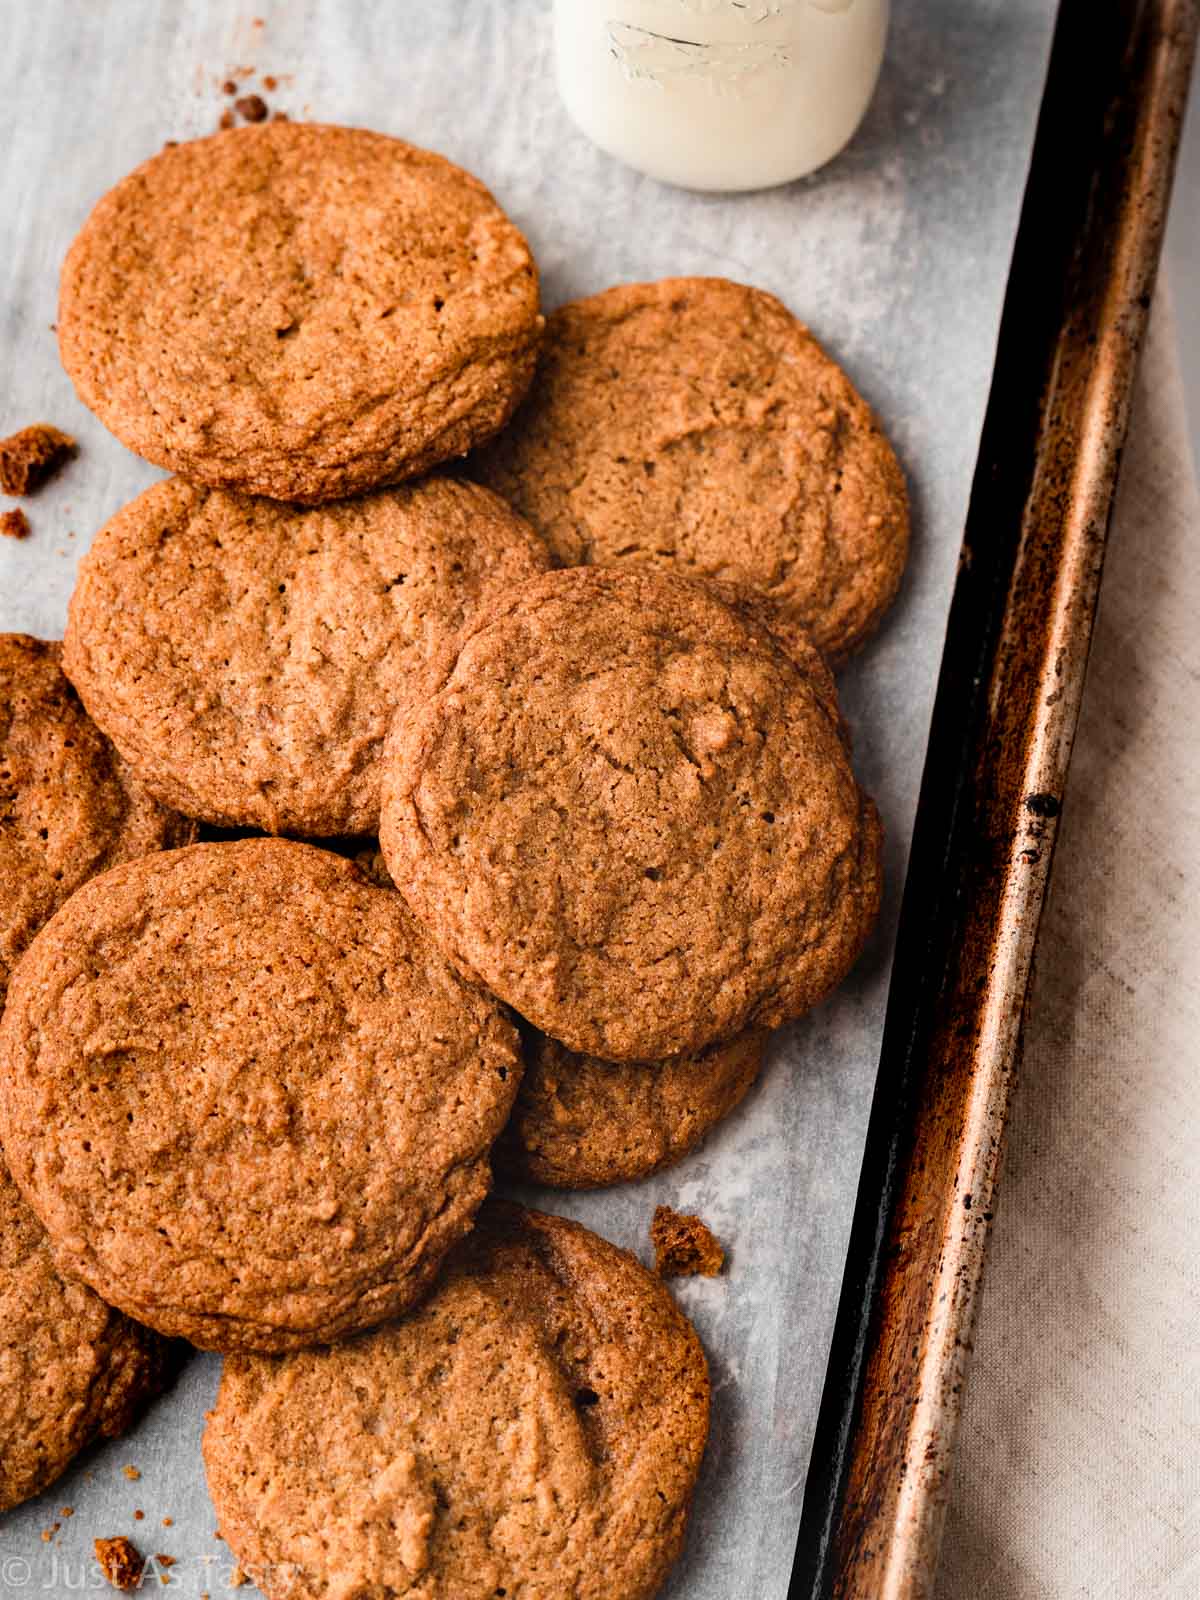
(683, 1245)
(31, 456)
(120, 1562)
(14, 524)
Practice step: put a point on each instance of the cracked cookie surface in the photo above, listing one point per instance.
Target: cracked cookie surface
(299, 310)
(246, 1097)
(626, 809)
(534, 1428)
(246, 656)
(694, 423)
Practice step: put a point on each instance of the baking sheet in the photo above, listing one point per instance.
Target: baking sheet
(897, 256)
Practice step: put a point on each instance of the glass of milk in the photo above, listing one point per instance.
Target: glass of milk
(719, 94)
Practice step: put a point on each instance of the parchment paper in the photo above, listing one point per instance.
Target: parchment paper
(896, 254)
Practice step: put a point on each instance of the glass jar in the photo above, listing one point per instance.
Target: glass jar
(719, 94)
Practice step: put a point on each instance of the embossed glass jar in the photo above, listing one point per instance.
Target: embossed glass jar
(719, 94)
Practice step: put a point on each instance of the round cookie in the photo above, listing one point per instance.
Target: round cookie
(695, 423)
(246, 656)
(581, 1123)
(68, 806)
(534, 1428)
(626, 810)
(71, 1369)
(245, 1096)
(299, 311)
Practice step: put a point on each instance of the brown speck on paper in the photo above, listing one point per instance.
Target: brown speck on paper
(684, 1245)
(14, 524)
(120, 1562)
(32, 455)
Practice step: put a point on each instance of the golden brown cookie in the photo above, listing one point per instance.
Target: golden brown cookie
(694, 423)
(535, 1428)
(71, 1369)
(625, 808)
(245, 656)
(580, 1122)
(68, 806)
(246, 1097)
(299, 311)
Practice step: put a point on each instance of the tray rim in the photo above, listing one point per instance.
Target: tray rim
(1008, 697)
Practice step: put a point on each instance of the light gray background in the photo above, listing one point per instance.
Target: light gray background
(897, 255)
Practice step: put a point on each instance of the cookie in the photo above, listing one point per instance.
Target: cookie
(299, 311)
(245, 656)
(627, 811)
(247, 1099)
(68, 806)
(71, 1369)
(696, 424)
(580, 1122)
(535, 1428)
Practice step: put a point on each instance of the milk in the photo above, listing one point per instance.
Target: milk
(719, 94)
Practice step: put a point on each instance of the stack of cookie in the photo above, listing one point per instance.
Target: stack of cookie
(252, 1088)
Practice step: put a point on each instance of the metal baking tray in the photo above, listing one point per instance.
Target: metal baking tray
(1009, 692)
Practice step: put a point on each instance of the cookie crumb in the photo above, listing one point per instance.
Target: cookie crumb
(131, 1473)
(138, 1515)
(280, 116)
(252, 107)
(237, 1578)
(683, 1246)
(164, 1561)
(120, 1562)
(68, 1511)
(226, 119)
(29, 457)
(14, 524)
(270, 84)
(229, 87)
(168, 1522)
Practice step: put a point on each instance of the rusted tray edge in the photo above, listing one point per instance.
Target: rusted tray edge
(1008, 700)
